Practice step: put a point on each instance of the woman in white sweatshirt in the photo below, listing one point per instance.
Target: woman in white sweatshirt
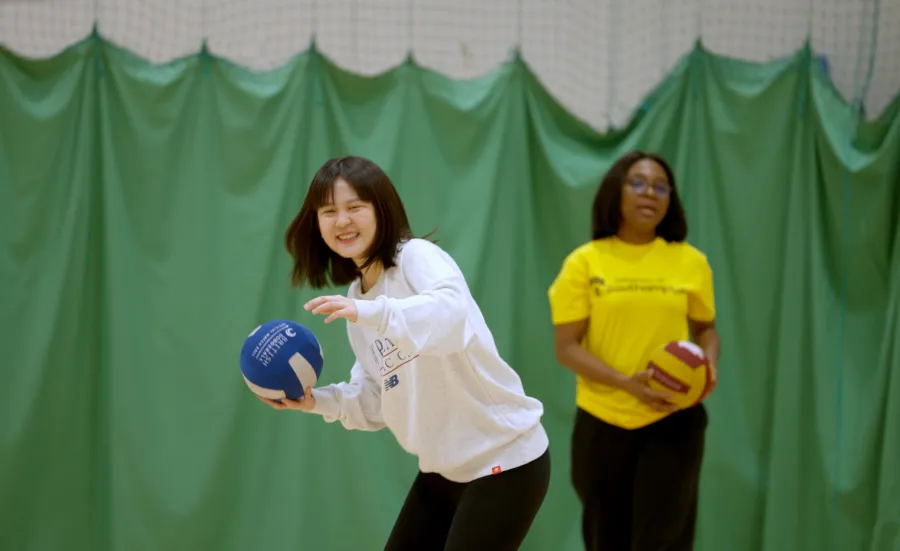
(426, 366)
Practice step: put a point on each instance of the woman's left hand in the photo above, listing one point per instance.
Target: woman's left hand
(335, 306)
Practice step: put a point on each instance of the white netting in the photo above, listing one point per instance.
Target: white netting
(598, 57)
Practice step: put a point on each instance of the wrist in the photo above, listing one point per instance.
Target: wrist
(621, 381)
(324, 403)
(368, 312)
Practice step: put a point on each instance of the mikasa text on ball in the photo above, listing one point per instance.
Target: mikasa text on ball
(281, 358)
(681, 369)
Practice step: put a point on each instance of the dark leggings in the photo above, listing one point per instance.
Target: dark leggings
(493, 513)
(638, 488)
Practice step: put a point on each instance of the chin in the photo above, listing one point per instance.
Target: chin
(352, 254)
(349, 255)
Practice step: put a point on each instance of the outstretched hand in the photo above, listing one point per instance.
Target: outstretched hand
(336, 306)
(305, 403)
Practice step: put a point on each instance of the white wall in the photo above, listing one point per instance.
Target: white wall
(598, 57)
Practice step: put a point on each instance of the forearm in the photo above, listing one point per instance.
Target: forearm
(708, 340)
(433, 321)
(433, 316)
(583, 363)
(352, 409)
(355, 404)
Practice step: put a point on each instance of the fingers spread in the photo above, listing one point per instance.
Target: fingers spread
(329, 306)
(343, 312)
(324, 308)
(313, 303)
(318, 301)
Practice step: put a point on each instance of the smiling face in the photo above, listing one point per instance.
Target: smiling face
(645, 197)
(347, 223)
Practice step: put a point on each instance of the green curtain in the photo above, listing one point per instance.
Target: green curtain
(142, 210)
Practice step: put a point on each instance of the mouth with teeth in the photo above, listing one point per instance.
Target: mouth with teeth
(347, 237)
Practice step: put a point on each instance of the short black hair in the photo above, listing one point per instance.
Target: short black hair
(607, 209)
(314, 262)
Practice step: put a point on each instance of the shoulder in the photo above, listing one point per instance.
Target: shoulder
(586, 252)
(419, 258)
(417, 246)
(690, 255)
(577, 266)
(417, 251)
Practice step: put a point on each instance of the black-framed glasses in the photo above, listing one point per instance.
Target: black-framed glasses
(640, 187)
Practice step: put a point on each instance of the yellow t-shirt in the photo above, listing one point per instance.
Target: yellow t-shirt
(638, 297)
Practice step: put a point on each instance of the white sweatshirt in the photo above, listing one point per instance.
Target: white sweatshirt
(428, 369)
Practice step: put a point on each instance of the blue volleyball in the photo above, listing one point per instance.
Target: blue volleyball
(281, 358)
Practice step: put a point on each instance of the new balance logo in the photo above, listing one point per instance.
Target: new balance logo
(391, 382)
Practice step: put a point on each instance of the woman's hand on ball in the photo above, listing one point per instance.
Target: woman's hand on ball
(305, 403)
(637, 385)
(336, 306)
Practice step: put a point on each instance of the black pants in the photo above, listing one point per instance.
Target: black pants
(638, 488)
(493, 513)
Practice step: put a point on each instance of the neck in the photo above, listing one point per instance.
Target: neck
(369, 276)
(635, 237)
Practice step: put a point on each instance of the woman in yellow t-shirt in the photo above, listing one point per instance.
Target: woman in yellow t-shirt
(635, 286)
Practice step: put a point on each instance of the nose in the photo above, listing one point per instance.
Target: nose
(343, 219)
(655, 191)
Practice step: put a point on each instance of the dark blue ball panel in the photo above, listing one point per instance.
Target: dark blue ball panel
(267, 352)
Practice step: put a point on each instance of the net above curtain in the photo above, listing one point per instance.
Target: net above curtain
(597, 57)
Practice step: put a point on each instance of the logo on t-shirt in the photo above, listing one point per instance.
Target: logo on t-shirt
(389, 357)
(391, 382)
(597, 284)
(636, 285)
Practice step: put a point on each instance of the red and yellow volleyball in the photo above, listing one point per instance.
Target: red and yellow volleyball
(681, 369)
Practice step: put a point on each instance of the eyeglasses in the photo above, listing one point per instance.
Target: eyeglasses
(641, 187)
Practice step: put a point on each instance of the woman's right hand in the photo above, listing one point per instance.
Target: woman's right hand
(305, 403)
(637, 385)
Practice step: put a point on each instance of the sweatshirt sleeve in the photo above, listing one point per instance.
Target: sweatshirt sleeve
(433, 321)
(356, 404)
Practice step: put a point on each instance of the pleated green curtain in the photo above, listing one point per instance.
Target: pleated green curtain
(142, 210)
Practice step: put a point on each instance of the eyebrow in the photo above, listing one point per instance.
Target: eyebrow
(331, 203)
(663, 179)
